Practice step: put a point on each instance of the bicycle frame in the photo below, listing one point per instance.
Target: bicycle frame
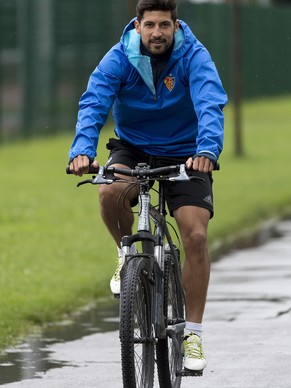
(152, 244)
(153, 247)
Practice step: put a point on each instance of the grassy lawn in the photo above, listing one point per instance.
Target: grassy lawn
(255, 187)
(56, 254)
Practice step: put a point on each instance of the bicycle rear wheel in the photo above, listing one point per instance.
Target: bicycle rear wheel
(136, 329)
(169, 354)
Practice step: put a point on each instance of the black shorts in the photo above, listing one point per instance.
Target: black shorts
(177, 194)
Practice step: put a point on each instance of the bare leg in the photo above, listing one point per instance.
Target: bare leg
(115, 208)
(193, 222)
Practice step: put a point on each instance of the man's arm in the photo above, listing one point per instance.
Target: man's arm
(209, 99)
(94, 108)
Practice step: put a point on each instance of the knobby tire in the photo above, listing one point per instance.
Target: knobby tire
(136, 329)
(169, 350)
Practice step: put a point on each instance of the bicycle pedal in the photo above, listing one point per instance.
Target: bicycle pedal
(190, 373)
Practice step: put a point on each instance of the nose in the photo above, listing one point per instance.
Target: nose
(157, 32)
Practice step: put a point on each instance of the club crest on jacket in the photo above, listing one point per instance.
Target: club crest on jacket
(169, 82)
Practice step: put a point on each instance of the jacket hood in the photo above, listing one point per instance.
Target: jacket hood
(130, 41)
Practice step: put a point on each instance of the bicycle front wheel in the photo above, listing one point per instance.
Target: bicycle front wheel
(136, 328)
(169, 350)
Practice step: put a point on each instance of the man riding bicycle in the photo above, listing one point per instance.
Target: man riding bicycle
(167, 101)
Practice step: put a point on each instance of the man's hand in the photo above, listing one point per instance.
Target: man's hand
(200, 163)
(80, 165)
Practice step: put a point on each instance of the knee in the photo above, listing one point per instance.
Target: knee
(107, 195)
(195, 242)
(110, 195)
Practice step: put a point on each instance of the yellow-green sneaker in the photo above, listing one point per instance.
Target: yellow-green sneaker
(115, 280)
(194, 357)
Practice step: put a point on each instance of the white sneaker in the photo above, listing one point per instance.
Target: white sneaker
(194, 357)
(115, 280)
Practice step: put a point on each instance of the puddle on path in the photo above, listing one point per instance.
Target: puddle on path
(26, 360)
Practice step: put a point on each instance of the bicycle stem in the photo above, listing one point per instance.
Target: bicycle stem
(144, 218)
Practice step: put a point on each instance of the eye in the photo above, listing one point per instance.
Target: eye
(148, 25)
(165, 25)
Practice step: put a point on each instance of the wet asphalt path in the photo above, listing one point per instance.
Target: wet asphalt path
(247, 330)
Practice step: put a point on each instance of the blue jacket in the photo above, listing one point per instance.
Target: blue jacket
(181, 117)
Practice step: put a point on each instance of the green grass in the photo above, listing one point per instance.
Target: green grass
(256, 186)
(56, 254)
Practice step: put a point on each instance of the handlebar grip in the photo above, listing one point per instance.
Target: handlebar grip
(92, 170)
(216, 166)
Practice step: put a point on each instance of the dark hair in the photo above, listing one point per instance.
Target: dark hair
(156, 5)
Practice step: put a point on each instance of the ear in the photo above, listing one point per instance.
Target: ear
(177, 24)
(137, 26)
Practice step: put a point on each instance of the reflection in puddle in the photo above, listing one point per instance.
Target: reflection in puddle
(32, 358)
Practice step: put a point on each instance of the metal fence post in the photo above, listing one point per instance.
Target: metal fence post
(25, 27)
(237, 75)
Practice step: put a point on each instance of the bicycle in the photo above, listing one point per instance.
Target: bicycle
(152, 297)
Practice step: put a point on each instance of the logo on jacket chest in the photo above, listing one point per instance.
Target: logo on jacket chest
(169, 82)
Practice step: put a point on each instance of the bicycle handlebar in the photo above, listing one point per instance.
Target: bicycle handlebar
(140, 171)
(106, 175)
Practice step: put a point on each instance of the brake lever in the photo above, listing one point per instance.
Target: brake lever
(99, 178)
(84, 182)
(182, 175)
(196, 178)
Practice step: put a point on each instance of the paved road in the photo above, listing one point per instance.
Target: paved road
(247, 330)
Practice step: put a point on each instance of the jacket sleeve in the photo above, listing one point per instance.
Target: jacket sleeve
(94, 106)
(209, 99)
